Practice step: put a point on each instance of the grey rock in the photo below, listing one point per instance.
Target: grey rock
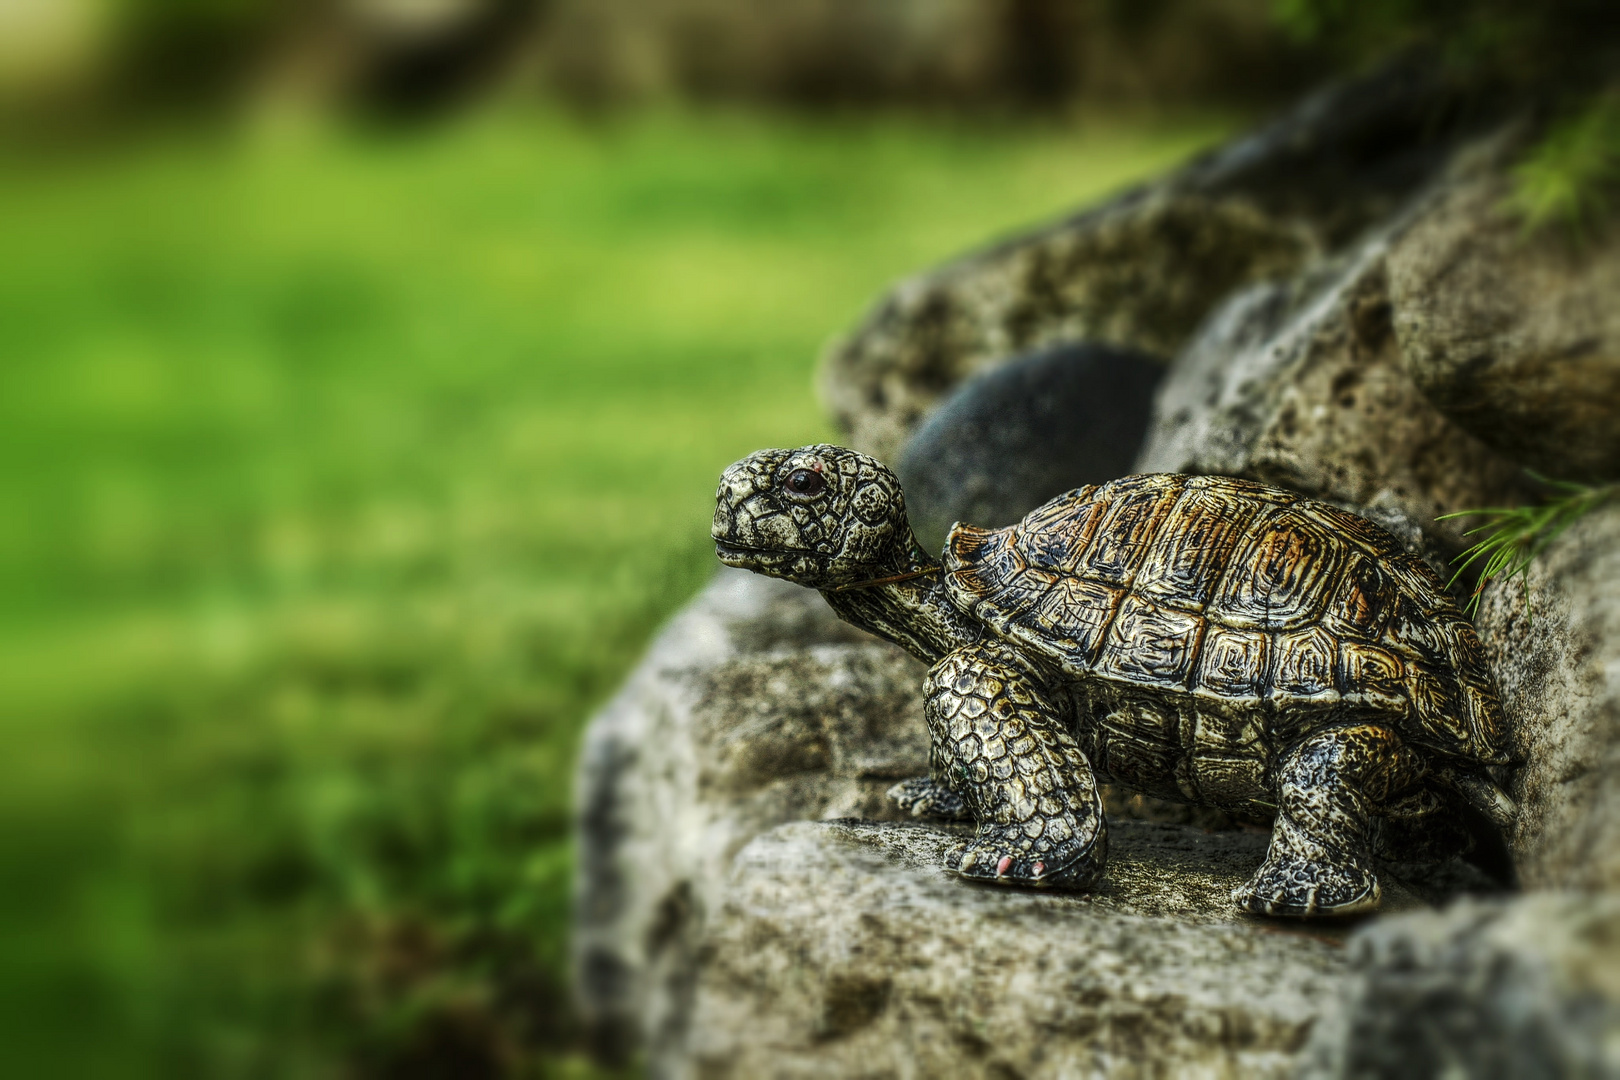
(753, 707)
(842, 949)
(1528, 987)
(1011, 438)
(1554, 644)
(1514, 336)
(1300, 384)
(1144, 269)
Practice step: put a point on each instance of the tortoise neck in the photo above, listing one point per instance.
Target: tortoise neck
(906, 603)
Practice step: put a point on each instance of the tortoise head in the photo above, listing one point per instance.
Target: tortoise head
(821, 516)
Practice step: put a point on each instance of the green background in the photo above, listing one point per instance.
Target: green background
(345, 473)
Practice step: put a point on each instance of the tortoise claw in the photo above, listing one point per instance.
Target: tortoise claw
(1004, 855)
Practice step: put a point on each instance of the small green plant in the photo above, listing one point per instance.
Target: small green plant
(1514, 536)
(1570, 175)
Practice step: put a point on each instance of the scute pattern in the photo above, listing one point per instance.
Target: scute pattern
(1279, 579)
(1184, 566)
(1151, 645)
(1230, 590)
(1120, 542)
(1234, 664)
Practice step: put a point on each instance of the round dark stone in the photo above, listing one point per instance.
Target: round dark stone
(1008, 440)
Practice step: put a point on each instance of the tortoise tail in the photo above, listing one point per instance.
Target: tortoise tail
(1484, 795)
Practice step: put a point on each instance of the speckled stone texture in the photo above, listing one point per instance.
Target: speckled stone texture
(1556, 652)
(754, 706)
(1300, 384)
(1144, 269)
(1486, 989)
(732, 923)
(842, 949)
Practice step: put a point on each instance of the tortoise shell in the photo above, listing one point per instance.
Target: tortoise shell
(1238, 593)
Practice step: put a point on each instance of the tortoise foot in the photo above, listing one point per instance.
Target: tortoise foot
(1007, 855)
(923, 796)
(1293, 887)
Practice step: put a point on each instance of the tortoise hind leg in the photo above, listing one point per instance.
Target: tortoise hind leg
(1329, 786)
(926, 796)
(999, 741)
(1420, 827)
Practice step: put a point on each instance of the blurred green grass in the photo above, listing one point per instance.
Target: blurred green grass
(344, 474)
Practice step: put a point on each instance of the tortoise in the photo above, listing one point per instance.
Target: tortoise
(1197, 638)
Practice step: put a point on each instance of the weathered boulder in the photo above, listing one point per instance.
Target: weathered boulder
(733, 924)
(1011, 438)
(1145, 269)
(755, 706)
(1513, 335)
(841, 949)
(1301, 384)
(1484, 989)
(1553, 642)
(726, 942)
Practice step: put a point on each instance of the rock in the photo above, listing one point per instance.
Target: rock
(1143, 270)
(1555, 649)
(841, 949)
(708, 931)
(1300, 384)
(1514, 336)
(1487, 989)
(1013, 437)
(754, 706)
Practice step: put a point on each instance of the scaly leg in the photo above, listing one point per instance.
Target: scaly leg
(1320, 860)
(999, 742)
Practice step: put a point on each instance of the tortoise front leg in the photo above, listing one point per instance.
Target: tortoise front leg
(999, 741)
(1329, 786)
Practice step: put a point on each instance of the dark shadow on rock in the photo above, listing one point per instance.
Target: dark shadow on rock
(1012, 438)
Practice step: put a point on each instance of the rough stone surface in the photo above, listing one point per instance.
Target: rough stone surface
(1514, 336)
(1300, 384)
(1528, 987)
(732, 922)
(1143, 270)
(842, 950)
(1555, 649)
(1011, 438)
(754, 706)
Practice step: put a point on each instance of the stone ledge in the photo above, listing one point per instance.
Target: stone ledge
(841, 949)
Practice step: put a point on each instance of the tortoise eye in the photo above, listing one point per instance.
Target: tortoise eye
(805, 482)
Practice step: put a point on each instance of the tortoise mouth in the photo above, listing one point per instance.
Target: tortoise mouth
(770, 561)
(734, 554)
